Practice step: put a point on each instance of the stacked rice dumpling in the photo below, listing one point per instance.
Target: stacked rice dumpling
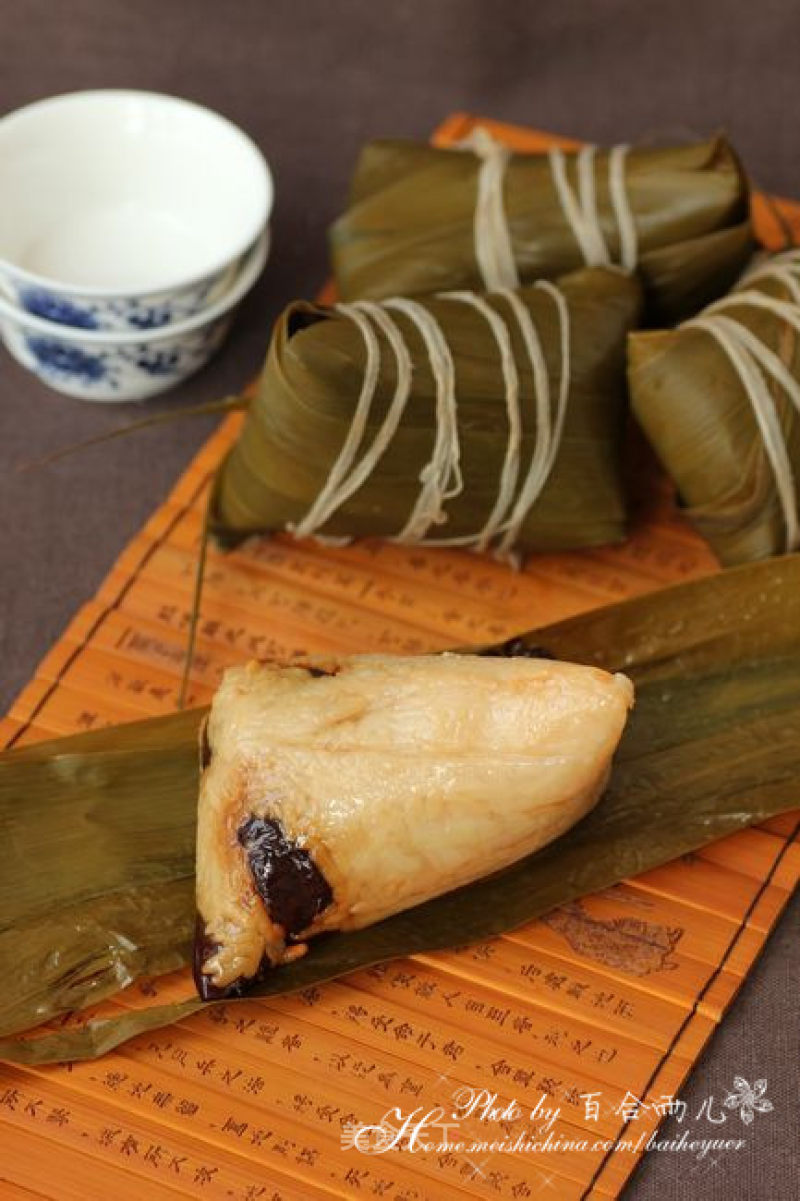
(719, 398)
(487, 421)
(423, 218)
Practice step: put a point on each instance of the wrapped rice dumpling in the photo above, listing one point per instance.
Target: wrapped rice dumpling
(486, 421)
(330, 800)
(719, 399)
(422, 219)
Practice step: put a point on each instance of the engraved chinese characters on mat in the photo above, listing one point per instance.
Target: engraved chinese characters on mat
(611, 997)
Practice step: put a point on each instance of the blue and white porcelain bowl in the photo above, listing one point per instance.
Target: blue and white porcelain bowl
(125, 365)
(125, 210)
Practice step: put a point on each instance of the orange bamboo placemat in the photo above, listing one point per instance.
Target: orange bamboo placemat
(613, 996)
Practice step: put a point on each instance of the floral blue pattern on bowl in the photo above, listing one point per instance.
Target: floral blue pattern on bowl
(115, 313)
(56, 308)
(104, 365)
(54, 358)
(120, 372)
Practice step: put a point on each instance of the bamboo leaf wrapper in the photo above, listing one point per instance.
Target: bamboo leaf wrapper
(303, 414)
(411, 224)
(719, 399)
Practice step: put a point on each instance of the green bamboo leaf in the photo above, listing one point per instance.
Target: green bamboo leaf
(302, 411)
(97, 879)
(694, 408)
(409, 227)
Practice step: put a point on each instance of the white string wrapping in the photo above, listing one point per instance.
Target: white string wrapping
(338, 487)
(621, 204)
(753, 362)
(493, 250)
(510, 470)
(548, 432)
(326, 499)
(581, 212)
(441, 478)
(780, 267)
(785, 309)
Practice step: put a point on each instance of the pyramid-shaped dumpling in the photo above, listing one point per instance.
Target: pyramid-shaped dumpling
(332, 799)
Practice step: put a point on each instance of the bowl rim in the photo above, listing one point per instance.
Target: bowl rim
(244, 281)
(51, 283)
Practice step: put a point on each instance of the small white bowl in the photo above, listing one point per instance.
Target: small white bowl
(125, 210)
(110, 366)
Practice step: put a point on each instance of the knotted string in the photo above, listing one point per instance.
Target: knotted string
(510, 469)
(441, 478)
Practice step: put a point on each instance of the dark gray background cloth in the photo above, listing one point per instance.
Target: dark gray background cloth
(310, 80)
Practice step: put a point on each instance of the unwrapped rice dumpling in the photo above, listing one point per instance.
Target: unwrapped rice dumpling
(487, 421)
(422, 219)
(719, 399)
(331, 799)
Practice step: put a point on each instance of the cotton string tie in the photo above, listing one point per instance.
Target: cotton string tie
(441, 478)
(492, 236)
(753, 362)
